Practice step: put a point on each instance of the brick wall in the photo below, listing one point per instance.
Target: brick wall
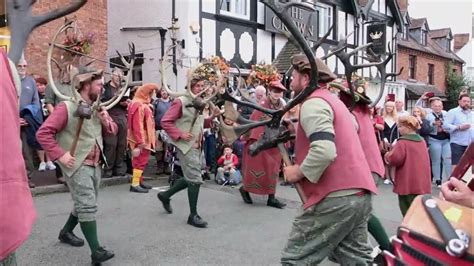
(421, 69)
(92, 17)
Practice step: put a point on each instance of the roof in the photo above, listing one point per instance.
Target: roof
(417, 23)
(440, 33)
(432, 47)
(283, 60)
(418, 89)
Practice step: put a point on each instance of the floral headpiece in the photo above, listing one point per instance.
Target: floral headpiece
(207, 71)
(78, 42)
(263, 74)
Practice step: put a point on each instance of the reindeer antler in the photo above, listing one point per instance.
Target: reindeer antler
(22, 22)
(49, 59)
(129, 65)
(280, 10)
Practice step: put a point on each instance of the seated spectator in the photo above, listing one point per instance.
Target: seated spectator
(410, 158)
(227, 172)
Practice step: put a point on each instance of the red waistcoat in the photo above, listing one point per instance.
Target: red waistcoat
(350, 169)
(369, 142)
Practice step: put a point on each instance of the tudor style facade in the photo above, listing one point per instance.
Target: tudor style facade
(244, 32)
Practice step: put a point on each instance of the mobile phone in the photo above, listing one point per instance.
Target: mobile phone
(430, 94)
(391, 97)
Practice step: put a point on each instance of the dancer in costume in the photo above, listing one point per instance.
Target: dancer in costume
(333, 221)
(368, 139)
(82, 169)
(261, 172)
(141, 134)
(16, 206)
(184, 125)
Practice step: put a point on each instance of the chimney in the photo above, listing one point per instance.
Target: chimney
(460, 40)
(403, 4)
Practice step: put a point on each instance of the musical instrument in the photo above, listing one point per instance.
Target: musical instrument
(436, 231)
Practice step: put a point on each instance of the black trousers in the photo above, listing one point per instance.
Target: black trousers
(115, 147)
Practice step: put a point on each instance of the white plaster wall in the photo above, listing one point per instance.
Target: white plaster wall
(187, 12)
(280, 41)
(208, 37)
(264, 44)
(260, 13)
(374, 89)
(139, 13)
(209, 6)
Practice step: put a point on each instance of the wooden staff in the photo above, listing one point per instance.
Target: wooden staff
(287, 162)
(76, 137)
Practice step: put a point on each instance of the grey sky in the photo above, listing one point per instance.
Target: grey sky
(456, 14)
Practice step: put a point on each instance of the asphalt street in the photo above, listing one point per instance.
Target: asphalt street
(138, 230)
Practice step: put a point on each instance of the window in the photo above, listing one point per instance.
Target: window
(423, 37)
(405, 32)
(235, 8)
(325, 18)
(431, 74)
(411, 67)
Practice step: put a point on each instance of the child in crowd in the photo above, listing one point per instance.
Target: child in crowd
(410, 158)
(227, 172)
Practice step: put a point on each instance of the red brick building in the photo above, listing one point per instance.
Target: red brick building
(425, 54)
(92, 18)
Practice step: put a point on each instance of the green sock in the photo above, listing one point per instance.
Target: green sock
(179, 185)
(89, 229)
(193, 194)
(70, 224)
(378, 232)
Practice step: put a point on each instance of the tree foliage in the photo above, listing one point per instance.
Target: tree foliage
(455, 82)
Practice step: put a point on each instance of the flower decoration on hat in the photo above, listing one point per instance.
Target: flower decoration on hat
(207, 71)
(77, 42)
(263, 74)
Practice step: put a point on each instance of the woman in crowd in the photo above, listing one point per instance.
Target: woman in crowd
(389, 134)
(425, 127)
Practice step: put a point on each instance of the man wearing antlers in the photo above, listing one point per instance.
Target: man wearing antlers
(184, 125)
(82, 169)
(337, 183)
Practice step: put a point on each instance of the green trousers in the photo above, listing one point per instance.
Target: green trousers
(10, 260)
(404, 202)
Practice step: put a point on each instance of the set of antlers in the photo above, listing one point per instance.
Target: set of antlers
(22, 23)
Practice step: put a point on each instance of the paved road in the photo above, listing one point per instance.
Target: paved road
(139, 231)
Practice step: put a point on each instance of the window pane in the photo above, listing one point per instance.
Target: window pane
(241, 7)
(225, 5)
(325, 18)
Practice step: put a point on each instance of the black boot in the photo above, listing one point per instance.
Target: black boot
(70, 238)
(245, 196)
(138, 189)
(196, 221)
(101, 255)
(166, 202)
(273, 202)
(145, 186)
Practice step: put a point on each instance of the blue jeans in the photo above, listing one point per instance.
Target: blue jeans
(440, 150)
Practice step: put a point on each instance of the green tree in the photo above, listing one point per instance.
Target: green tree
(455, 82)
